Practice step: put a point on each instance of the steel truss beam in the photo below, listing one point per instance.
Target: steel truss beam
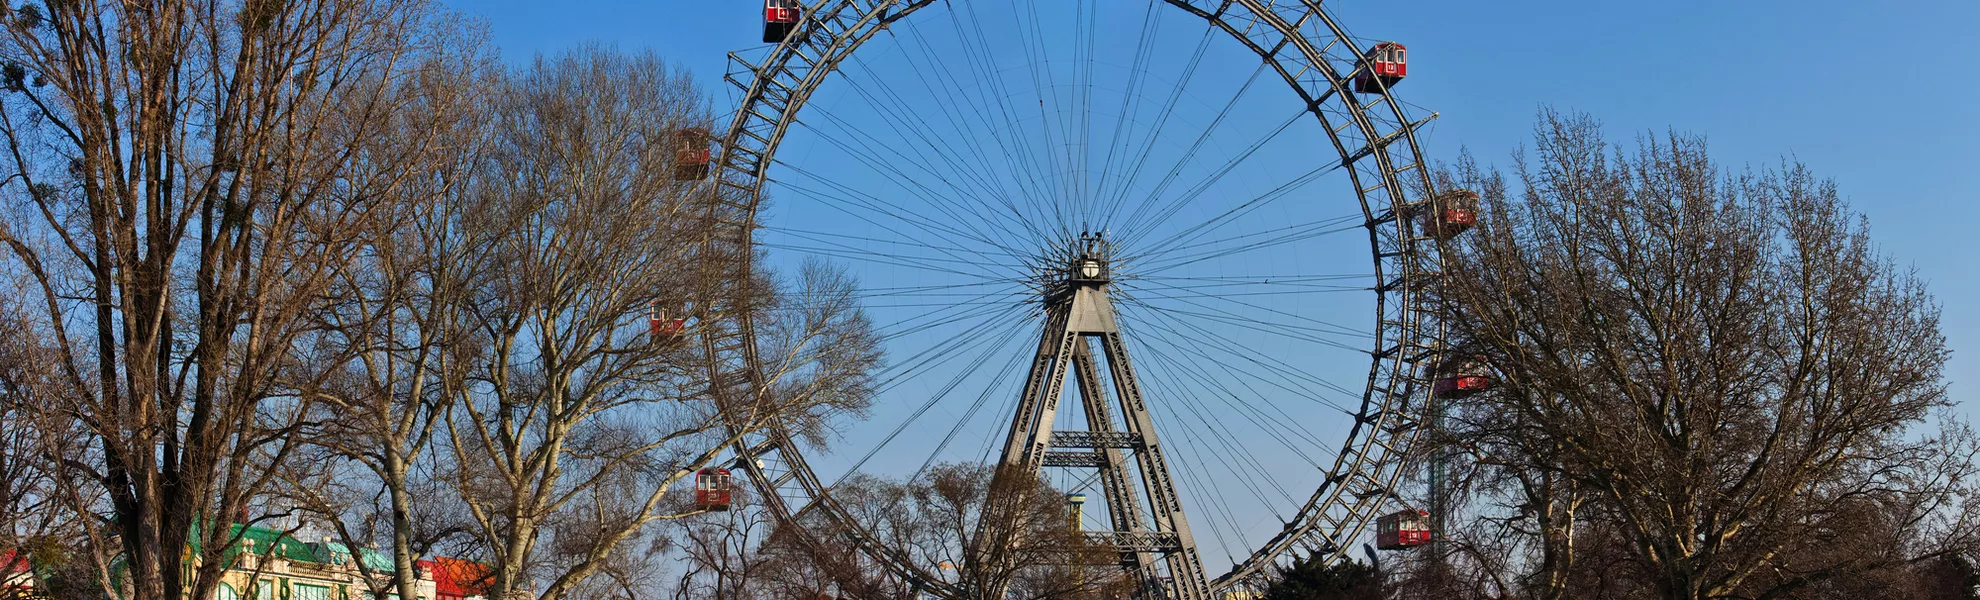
(1300, 42)
(1075, 317)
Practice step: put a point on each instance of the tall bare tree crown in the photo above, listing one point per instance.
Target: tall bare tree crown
(1705, 376)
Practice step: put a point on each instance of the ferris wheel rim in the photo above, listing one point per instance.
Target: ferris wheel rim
(1383, 431)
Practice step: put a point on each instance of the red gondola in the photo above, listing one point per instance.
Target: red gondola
(1382, 68)
(1461, 377)
(665, 329)
(691, 154)
(1449, 214)
(1403, 529)
(711, 489)
(779, 18)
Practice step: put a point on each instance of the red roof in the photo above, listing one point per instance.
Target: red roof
(457, 578)
(11, 563)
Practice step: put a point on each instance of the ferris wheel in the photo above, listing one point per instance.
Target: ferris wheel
(1030, 192)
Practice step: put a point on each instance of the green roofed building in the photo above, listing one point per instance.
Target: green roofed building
(271, 564)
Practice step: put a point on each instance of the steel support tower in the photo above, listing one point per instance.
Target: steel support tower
(1078, 313)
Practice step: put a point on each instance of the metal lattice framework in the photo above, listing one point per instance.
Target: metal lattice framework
(1080, 313)
(1376, 141)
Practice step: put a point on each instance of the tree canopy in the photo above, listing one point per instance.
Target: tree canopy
(1710, 382)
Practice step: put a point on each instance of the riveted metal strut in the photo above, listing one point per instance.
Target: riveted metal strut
(1375, 143)
(1079, 312)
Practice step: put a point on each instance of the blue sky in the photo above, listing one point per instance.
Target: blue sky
(1875, 95)
(1879, 95)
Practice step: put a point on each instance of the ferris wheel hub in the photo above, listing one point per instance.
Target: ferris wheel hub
(1079, 272)
(1090, 261)
(1073, 276)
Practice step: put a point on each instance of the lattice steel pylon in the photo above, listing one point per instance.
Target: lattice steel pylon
(1078, 312)
(1375, 143)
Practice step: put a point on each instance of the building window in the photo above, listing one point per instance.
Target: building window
(311, 592)
(227, 592)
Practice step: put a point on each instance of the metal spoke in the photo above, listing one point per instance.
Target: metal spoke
(979, 204)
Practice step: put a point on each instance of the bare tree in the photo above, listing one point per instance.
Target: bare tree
(983, 535)
(720, 555)
(574, 423)
(35, 536)
(182, 203)
(393, 314)
(1711, 385)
